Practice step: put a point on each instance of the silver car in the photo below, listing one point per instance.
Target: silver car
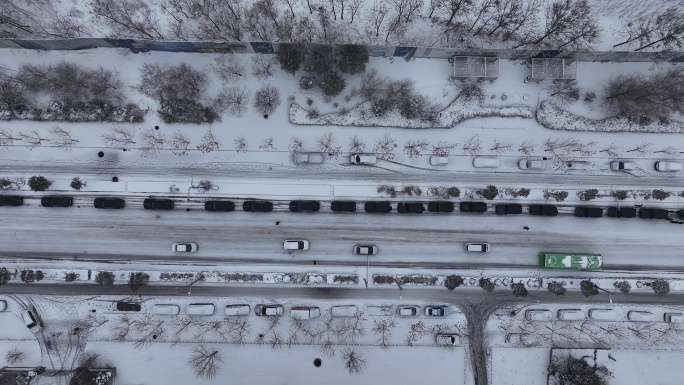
(366, 250)
(187, 247)
(532, 164)
(307, 157)
(31, 320)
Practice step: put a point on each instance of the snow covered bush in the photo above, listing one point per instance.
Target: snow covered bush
(290, 56)
(138, 280)
(489, 193)
(352, 59)
(487, 285)
(331, 83)
(519, 289)
(104, 278)
(39, 183)
(453, 281)
(556, 288)
(587, 195)
(660, 195)
(267, 99)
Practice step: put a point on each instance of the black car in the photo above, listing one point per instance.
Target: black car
(473, 207)
(127, 306)
(346, 206)
(257, 206)
(653, 214)
(56, 201)
(544, 210)
(11, 200)
(109, 203)
(680, 214)
(512, 208)
(300, 206)
(441, 207)
(588, 212)
(158, 204)
(219, 206)
(410, 208)
(378, 207)
(624, 212)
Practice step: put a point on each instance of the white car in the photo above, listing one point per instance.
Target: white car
(366, 250)
(668, 166)
(363, 159)
(619, 165)
(439, 160)
(409, 311)
(269, 310)
(31, 321)
(188, 247)
(486, 162)
(307, 157)
(435, 311)
(448, 339)
(532, 164)
(296, 245)
(477, 247)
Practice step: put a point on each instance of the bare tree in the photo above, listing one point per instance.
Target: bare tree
(205, 362)
(179, 143)
(267, 99)
(670, 151)
(414, 147)
(585, 149)
(128, 18)
(564, 92)
(326, 143)
(385, 146)
(267, 144)
(443, 148)
(658, 31)
(122, 328)
(297, 144)
(568, 24)
(62, 138)
(612, 151)
(152, 141)
(180, 326)
(239, 329)
(642, 149)
(500, 147)
(357, 144)
(527, 147)
(383, 327)
(209, 143)
(353, 361)
(263, 66)
(659, 94)
(119, 137)
(234, 100)
(228, 68)
(14, 356)
(6, 138)
(32, 139)
(241, 144)
(377, 16)
(354, 9)
(472, 145)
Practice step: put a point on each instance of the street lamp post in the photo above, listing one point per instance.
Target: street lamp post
(400, 288)
(199, 278)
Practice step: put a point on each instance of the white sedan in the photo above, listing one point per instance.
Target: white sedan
(532, 164)
(296, 245)
(365, 250)
(622, 166)
(189, 247)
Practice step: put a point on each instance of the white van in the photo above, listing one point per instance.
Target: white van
(164, 309)
(538, 315)
(675, 318)
(570, 315)
(3, 305)
(486, 162)
(237, 309)
(640, 316)
(201, 309)
(305, 312)
(439, 160)
(602, 314)
(344, 311)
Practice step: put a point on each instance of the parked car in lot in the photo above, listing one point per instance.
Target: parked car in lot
(366, 250)
(128, 306)
(344, 311)
(290, 245)
(219, 206)
(620, 165)
(668, 166)
(109, 203)
(409, 311)
(158, 204)
(410, 208)
(236, 310)
(447, 339)
(622, 212)
(435, 311)
(257, 206)
(647, 213)
(54, 201)
(201, 309)
(378, 207)
(188, 247)
(304, 206)
(588, 212)
(3, 305)
(486, 162)
(439, 160)
(680, 214)
(307, 157)
(164, 309)
(441, 207)
(305, 312)
(532, 164)
(473, 207)
(343, 206)
(506, 209)
(363, 159)
(477, 247)
(544, 210)
(31, 320)
(11, 200)
(269, 310)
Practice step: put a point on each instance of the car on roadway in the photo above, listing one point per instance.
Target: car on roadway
(477, 247)
(55, 201)
(31, 320)
(304, 206)
(435, 311)
(158, 204)
(619, 165)
(11, 200)
(269, 310)
(622, 212)
(378, 207)
(668, 166)
(439, 160)
(486, 162)
(410, 208)
(647, 213)
(128, 306)
(506, 209)
(307, 157)
(257, 206)
(366, 250)
(441, 207)
(291, 245)
(447, 339)
(532, 164)
(185, 247)
(544, 210)
(109, 203)
(363, 159)
(473, 207)
(588, 212)
(343, 206)
(224, 206)
(409, 311)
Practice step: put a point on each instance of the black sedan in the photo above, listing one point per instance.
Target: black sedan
(128, 306)
(304, 206)
(56, 201)
(473, 207)
(343, 206)
(109, 203)
(11, 200)
(441, 207)
(410, 208)
(512, 208)
(622, 212)
(378, 207)
(544, 210)
(257, 206)
(588, 212)
(158, 204)
(219, 206)
(653, 214)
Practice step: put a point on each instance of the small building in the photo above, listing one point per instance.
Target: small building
(475, 67)
(554, 68)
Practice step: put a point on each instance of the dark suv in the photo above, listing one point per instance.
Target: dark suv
(347, 206)
(158, 204)
(128, 306)
(257, 206)
(56, 201)
(544, 210)
(588, 212)
(378, 207)
(624, 212)
(301, 206)
(473, 207)
(11, 200)
(440, 207)
(109, 203)
(219, 206)
(410, 208)
(653, 214)
(512, 208)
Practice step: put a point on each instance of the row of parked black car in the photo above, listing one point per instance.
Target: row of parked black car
(60, 201)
